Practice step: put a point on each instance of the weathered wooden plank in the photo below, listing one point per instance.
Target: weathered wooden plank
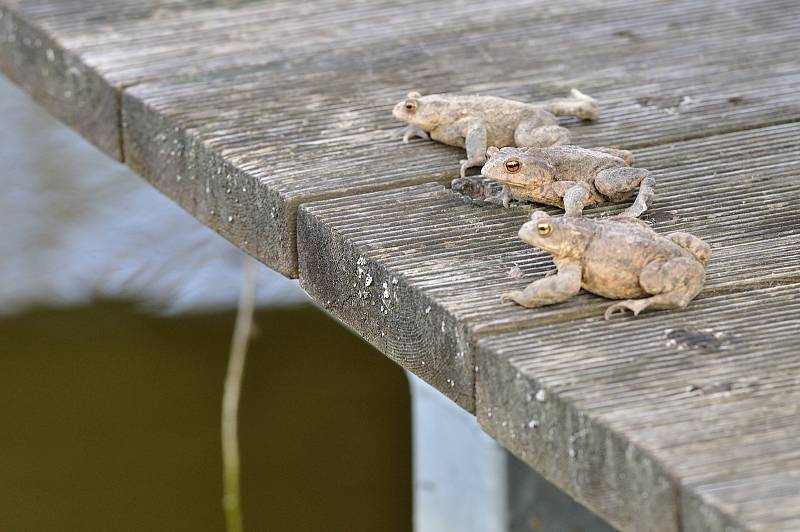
(76, 56)
(287, 124)
(59, 80)
(281, 105)
(691, 416)
(263, 99)
(419, 262)
(275, 147)
(445, 261)
(55, 50)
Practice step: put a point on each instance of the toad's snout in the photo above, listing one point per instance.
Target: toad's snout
(527, 233)
(399, 112)
(489, 169)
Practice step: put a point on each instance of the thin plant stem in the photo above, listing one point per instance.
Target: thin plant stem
(231, 500)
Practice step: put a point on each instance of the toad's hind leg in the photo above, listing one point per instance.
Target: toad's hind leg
(469, 132)
(617, 184)
(625, 155)
(578, 105)
(674, 282)
(693, 245)
(540, 132)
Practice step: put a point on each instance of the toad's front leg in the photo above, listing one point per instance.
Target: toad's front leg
(575, 195)
(470, 130)
(553, 289)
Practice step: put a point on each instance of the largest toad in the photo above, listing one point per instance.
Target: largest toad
(617, 258)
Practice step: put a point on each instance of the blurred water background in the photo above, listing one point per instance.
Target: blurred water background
(116, 310)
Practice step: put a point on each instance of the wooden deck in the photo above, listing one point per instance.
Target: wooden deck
(270, 121)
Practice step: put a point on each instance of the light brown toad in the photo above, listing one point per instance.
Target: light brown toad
(477, 122)
(617, 258)
(570, 177)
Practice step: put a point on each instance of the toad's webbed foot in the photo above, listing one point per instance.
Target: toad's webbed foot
(469, 132)
(578, 105)
(634, 305)
(475, 143)
(646, 193)
(413, 131)
(511, 296)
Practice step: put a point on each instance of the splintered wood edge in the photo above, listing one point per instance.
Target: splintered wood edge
(60, 81)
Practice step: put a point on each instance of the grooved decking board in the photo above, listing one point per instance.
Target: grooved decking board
(63, 53)
(243, 110)
(300, 131)
(418, 271)
(678, 421)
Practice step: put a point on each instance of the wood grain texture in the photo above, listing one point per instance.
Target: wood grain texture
(60, 81)
(422, 270)
(270, 122)
(263, 99)
(290, 122)
(696, 410)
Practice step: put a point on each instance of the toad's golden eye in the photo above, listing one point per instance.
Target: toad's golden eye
(544, 228)
(411, 106)
(512, 167)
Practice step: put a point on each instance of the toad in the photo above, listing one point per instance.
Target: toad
(617, 258)
(477, 122)
(570, 177)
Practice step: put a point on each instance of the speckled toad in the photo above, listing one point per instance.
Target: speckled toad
(617, 258)
(477, 122)
(568, 176)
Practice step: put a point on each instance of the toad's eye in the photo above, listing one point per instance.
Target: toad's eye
(544, 228)
(411, 106)
(512, 167)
